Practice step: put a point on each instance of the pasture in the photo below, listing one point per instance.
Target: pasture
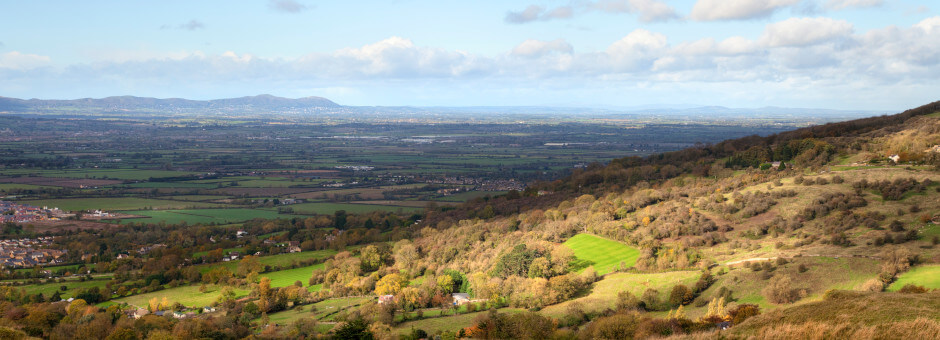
(204, 216)
(189, 296)
(603, 254)
(604, 293)
(925, 275)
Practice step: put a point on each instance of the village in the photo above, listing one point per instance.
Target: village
(20, 213)
(29, 252)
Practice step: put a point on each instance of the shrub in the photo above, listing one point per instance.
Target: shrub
(681, 295)
(780, 290)
(873, 285)
(911, 288)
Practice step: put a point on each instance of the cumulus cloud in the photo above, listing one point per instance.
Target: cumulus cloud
(538, 13)
(287, 6)
(845, 4)
(713, 10)
(537, 48)
(804, 51)
(805, 31)
(21, 61)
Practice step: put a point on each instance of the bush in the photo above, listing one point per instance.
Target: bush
(780, 290)
(911, 288)
(873, 285)
(681, 295)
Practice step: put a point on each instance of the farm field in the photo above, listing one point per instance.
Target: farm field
(274, 260)
(117, 203)
(205, 216)
(47, 289)
(287, 277)
(189, 296)
(353, 208)
(605, 255)
(924, 275)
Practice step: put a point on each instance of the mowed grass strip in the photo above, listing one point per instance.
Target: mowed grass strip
(927, 276)
(605, 255)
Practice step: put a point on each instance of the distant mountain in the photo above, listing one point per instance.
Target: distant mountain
(264, 102)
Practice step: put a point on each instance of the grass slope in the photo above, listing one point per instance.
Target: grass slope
(604, 293)
(187, 295)
(855, 308)
(605, 255)
(927, 276)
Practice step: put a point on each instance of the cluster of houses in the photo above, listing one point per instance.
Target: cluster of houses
(143, 250)
(20, 213)
(459, 299)
(28, 252)
(292, 246)
(482, 184)
(140, 312)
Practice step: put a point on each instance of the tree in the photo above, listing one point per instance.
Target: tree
(445, 283)
(357, 329)
(681, 295)
(390, 284)
(249, 264)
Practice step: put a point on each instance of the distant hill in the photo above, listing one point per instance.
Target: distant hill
(264, 102)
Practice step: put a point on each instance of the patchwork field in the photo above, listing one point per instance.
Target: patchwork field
(605, 255)
(118, 203)
(352, 208)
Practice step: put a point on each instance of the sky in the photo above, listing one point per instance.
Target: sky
(837, 54)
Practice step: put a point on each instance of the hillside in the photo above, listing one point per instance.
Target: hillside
(839, 213)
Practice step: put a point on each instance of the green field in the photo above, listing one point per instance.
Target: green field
(447, 323)
(123, 174)
(189, 296)
(329, 208)
(926, 275)
(605, 255)
(274, 260)
(323, 310)
(283, 278)
(466, 196)
(205, 216)
(117, 203)
(16, 186)
(604, 293)
(48, 289)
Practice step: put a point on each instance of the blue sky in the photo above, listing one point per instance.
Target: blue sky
(843, 54)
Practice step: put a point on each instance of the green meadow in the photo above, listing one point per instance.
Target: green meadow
(605, 255)
(926, 275)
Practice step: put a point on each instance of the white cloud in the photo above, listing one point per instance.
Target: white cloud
(930, 25)
(846, 4)
(712, 10)
(287, 6)
(649, 10)
(538, 13)
(20, 61)
(805, 31)
(537, 48)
